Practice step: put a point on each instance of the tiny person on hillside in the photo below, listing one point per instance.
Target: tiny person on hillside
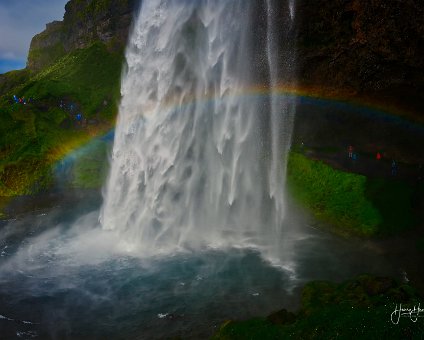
(394, 168)
(350, 151)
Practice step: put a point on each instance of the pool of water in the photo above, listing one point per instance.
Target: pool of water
(62, 276)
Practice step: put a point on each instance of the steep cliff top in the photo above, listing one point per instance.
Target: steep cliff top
(84, 22)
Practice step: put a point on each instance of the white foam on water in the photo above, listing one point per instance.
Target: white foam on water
(2, 317)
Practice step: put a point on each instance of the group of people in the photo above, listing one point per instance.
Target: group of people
(22, 100)
(352, 155)
(72, 109)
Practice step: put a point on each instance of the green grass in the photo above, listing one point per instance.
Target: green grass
(88, 77)
(258, 328)
(334, 196)
(351, 203)
(356, 309)
(11, 79)
(90, 169)
(420, 244)
(393, 199)
(46, 56)
(34, 136)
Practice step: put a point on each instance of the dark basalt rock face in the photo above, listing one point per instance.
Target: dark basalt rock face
(46, 47)
(366, 48)
(363, 48)
(84, 22)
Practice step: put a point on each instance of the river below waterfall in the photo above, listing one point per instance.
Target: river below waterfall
(62, 276)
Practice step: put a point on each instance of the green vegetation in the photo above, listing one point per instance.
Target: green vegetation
(90, 168)
(96, 8)
(47, 47)
(355, 309)
(258, 328)
(420, 244)
(89, 77)
(34, 136)
(393, 199)
(46, 56)
(334, 196)
(12, 79)
(352, 203)
(4, 201)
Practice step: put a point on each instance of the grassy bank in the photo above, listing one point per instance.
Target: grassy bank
(353, 204)
(90, 168)
(36, 135)
(87, 77)
(358, 308)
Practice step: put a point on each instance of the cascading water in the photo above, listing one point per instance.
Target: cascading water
(192, 163)
(281, 69)
(291, 8)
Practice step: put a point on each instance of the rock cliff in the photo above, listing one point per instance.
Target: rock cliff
(355, 48)
(84, 22)
(365, 48)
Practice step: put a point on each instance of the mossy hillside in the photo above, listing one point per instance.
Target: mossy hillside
(334, 196)
(46, 55)
(34, 136)
(352, 203)
(90, 168)
(420, 244)
(97, 7)
(394, 201)
(89, 77)
(359, 308)
(11, 79)
(38, 143)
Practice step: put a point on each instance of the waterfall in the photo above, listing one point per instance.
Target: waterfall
(191, 165)
(282, 108)
(291, 9)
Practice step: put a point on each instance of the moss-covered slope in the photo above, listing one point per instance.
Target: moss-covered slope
(84, 22)
(34, 135)
(351, 203)
(362, 308)
(69, 91)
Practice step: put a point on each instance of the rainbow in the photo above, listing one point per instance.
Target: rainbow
(345, 100)
(70, 147)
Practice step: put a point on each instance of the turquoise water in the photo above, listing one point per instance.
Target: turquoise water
(61, 276)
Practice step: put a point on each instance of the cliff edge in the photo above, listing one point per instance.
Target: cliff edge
(84, 22)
